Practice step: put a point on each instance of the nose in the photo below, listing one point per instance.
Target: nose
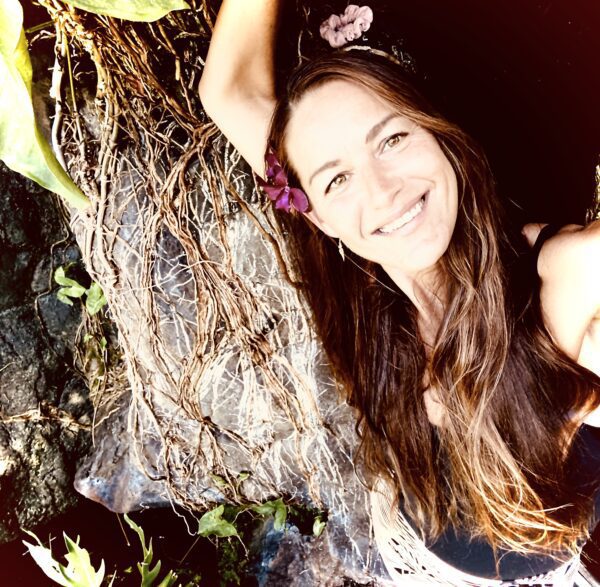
(381, 183)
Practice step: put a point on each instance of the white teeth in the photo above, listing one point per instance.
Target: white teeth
(404, 219)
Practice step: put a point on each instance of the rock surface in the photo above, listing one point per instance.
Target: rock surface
(44, 411)
(225, 372)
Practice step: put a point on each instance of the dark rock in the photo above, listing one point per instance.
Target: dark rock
(293, 559)
(44, 410)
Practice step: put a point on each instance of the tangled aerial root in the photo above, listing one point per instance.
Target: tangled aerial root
(223, 371)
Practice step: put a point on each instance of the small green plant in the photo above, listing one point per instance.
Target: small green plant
(318, 526)
(275, 508)
(72, 289)
(148, 573)
(220, 522)
(79, 571)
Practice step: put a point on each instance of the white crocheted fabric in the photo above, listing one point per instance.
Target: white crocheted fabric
(410, 563)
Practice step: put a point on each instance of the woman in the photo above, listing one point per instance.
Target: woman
(472, 362)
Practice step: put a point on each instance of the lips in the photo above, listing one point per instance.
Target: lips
(403, 216)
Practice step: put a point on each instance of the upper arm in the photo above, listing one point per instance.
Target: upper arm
(244, 119)
(237, 87)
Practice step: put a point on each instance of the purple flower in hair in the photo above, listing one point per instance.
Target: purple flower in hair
(277, 188)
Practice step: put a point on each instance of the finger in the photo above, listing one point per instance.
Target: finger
(531, 232)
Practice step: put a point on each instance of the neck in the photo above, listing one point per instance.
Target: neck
(426, 293)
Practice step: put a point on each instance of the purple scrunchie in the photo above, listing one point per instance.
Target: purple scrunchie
(339, 30)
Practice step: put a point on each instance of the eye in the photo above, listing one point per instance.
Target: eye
(339, 180)
(394, 140)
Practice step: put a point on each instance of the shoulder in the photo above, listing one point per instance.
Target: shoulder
(570, 250)
(570, 291)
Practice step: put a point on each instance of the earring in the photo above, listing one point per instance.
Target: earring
(341, 249)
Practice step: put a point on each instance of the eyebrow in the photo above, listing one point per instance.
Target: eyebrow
(379, 127)
(368, 138)
(323, 168)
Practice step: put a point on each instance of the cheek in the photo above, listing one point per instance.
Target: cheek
(343, 215)
(431, 158)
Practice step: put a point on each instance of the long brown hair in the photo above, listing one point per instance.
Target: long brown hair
(497, 467)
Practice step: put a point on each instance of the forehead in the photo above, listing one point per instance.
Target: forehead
(330, 121)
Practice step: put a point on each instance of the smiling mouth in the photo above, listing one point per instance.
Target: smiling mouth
(405, 219)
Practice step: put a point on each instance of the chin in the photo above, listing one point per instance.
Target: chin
(421, 258)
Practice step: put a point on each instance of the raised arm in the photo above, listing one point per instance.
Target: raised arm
(237, 88)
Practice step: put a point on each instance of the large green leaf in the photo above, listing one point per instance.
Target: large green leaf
(80, 570)
(78, 573)
(137, 10)
(22, 146)
(212, 523)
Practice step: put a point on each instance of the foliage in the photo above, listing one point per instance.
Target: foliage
(231, 565)
(95, 299)
(81, 573)
(71, 288)
(78, 573)
(213, 524)
(136, 10)
(275, 508)
(149, 574)
(232, 560)
(22, 146)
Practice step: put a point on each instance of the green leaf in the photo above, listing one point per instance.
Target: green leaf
(78, 573)
(71, 289)
(243, 476)
(61, 278)
(219, 481)
(274, 508)
(95, 300)
(75, 291)
(147, 551)
(80, 570)
(169, 580)
(318, 526)
(280, 516)
(264, 509)
(212, 523)
(44, 559)
(148, 574)
(136, 10)
(61, 297)
(22, 146)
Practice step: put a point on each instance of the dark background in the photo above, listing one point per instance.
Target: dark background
(522, 77)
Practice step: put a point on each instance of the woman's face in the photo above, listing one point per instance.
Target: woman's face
(375, 179)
